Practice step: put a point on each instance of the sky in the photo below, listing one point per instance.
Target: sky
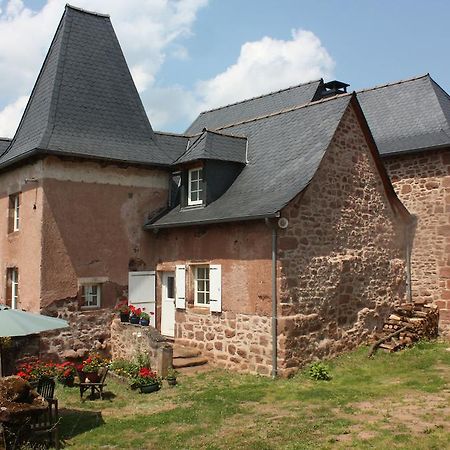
(187, 56)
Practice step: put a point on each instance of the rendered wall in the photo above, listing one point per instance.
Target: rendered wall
(341, 257)
(22, 249)
(239, 337)
(422, 182)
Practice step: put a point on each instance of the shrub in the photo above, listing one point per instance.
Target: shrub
(319, 371)
(125, 368)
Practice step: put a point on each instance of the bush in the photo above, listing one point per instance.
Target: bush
(125, 368)
(319, 371)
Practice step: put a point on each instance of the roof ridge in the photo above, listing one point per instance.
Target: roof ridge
(224, 134)
(393, 83)
(287, 110)
(93, 13)
(169, 133)
(261, 96)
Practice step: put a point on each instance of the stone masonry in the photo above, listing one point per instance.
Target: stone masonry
(342, 256)
(422, 182)
(240, 342)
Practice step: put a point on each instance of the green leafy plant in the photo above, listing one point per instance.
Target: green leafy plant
(125, 368)
(93, 363)
(319, 371)
(171, 373)
(144, 316)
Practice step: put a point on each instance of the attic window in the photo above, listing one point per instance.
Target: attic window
(195, 187)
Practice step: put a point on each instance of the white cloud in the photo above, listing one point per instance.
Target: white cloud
(10, 116)
(268, 65)
(146, 29)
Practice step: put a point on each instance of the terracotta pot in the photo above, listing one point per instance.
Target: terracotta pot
(124, 317)
(93, 377)
(149, 388)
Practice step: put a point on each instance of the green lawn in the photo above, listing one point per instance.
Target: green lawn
(394, 401)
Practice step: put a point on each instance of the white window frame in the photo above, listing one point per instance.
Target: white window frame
(205, 291)
(89, 296)
(199, 189)
(14, 288)
(16, 212)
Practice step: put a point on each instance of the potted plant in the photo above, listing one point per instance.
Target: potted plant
(35, 370)
(144, 319)
(135, 314)
(147, 381)
(123, 309)
(171, 377)
(90, 366)
(66, 373)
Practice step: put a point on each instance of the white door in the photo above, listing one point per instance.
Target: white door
(141, 292)
(168, 304)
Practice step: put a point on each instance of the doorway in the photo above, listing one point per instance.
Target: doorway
(168, 304)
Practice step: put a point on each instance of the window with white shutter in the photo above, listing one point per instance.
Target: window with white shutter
(215, 288)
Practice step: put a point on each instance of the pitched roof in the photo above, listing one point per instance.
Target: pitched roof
(407, 116)
(4, 143)
(84, 102)
(255, 107)
(217, 146)
(284, 152)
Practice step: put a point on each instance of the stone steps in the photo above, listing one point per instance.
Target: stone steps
(186, 357)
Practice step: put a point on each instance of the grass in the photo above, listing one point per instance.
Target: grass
(396, 401)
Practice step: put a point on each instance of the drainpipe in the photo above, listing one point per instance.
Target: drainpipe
(273, 226)
(274, 303)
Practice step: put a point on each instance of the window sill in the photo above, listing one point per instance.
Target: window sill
(200, 309)
(190, 207)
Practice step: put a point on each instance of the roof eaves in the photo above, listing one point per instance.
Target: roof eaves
(152, 226)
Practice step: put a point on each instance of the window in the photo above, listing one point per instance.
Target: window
(170, 286)
(195, 187)
(14, 210)
(201, 287)
(91, 295)
(12, 287)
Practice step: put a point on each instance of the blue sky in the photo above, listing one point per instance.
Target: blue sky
(214, 52)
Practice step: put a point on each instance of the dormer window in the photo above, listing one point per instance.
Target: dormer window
(195, 187)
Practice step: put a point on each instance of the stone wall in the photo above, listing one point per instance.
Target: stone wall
(422, 182)
(341, 257)
(89, 331)
(240, 342)
(128, 340)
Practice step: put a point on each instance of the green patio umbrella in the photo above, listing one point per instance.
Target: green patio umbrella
(14, 322)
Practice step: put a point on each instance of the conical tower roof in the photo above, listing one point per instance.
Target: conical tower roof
(84, 102)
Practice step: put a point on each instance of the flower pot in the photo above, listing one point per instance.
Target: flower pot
(93, 377)
(134, 319)
(149, 388)
(171, 381)
(124, 317)
(144, 322)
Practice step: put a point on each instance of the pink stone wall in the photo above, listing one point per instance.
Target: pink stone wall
(342, 256)
(422, 182)
(22, 249)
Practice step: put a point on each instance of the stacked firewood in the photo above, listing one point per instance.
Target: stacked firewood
(407, 324)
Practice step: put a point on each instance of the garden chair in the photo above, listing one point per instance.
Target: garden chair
(47, 422)
(95, 387)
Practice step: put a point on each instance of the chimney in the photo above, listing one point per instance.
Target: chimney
(331, 88)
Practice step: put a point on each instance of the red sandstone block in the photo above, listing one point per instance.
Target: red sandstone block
(444, 230)
(288, 243)
(441, 304)
(446, 182)
(446, 295)
(444, 272)
(444, 315)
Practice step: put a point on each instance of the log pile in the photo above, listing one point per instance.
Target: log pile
(407, 324)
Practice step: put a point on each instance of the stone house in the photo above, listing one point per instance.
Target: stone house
(410, 121)
(271, 227)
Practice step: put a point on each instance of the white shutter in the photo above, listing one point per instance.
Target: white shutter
(142, 292)
(180, 287)
(215, 288)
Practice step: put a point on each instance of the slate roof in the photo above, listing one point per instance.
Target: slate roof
(255, 107)
(84, 102)
(284, 152)
(217, 146)
(407, 116)
(4, 143)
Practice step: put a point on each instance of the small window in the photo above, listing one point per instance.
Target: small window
(195, 187)
(170, 286)
(12, 288)
(202, 285)
(14, 213)
(91, 295)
